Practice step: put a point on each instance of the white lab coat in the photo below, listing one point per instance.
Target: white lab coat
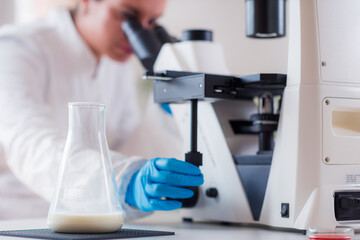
(43, 66)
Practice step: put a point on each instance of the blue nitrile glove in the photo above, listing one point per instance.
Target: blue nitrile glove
(159, 178)
(166, 108)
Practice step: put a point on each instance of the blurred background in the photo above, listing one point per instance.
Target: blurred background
(225, 17)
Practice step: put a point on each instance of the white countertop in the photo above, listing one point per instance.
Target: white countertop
(171, 221)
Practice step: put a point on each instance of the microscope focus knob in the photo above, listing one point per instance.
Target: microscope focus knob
(211, 192)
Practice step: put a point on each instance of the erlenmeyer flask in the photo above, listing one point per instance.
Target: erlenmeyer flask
(86, 198)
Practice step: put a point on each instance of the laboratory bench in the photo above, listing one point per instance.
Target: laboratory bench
(171, 221)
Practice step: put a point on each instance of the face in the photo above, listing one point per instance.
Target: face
(100, 23)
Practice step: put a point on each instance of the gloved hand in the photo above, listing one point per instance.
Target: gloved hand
(159, 178)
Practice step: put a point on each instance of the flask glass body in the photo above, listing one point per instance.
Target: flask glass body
(86, 197)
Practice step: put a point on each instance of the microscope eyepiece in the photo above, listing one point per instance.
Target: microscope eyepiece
(146, 43)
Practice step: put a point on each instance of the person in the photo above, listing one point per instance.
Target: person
(78, 56)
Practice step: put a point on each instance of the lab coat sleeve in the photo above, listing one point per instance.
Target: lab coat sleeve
(124, 170)
(32, 142)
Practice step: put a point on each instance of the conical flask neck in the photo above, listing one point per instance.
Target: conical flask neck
(86, 122)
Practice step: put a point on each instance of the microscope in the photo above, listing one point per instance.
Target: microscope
(275, 150)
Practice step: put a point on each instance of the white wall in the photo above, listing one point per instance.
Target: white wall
(227, 19)
(7, 11)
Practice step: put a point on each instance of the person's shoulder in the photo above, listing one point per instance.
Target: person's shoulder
(35, 32)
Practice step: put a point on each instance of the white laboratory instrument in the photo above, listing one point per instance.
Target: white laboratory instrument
(313, 176)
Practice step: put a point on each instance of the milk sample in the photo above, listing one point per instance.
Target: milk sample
(85, 223)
